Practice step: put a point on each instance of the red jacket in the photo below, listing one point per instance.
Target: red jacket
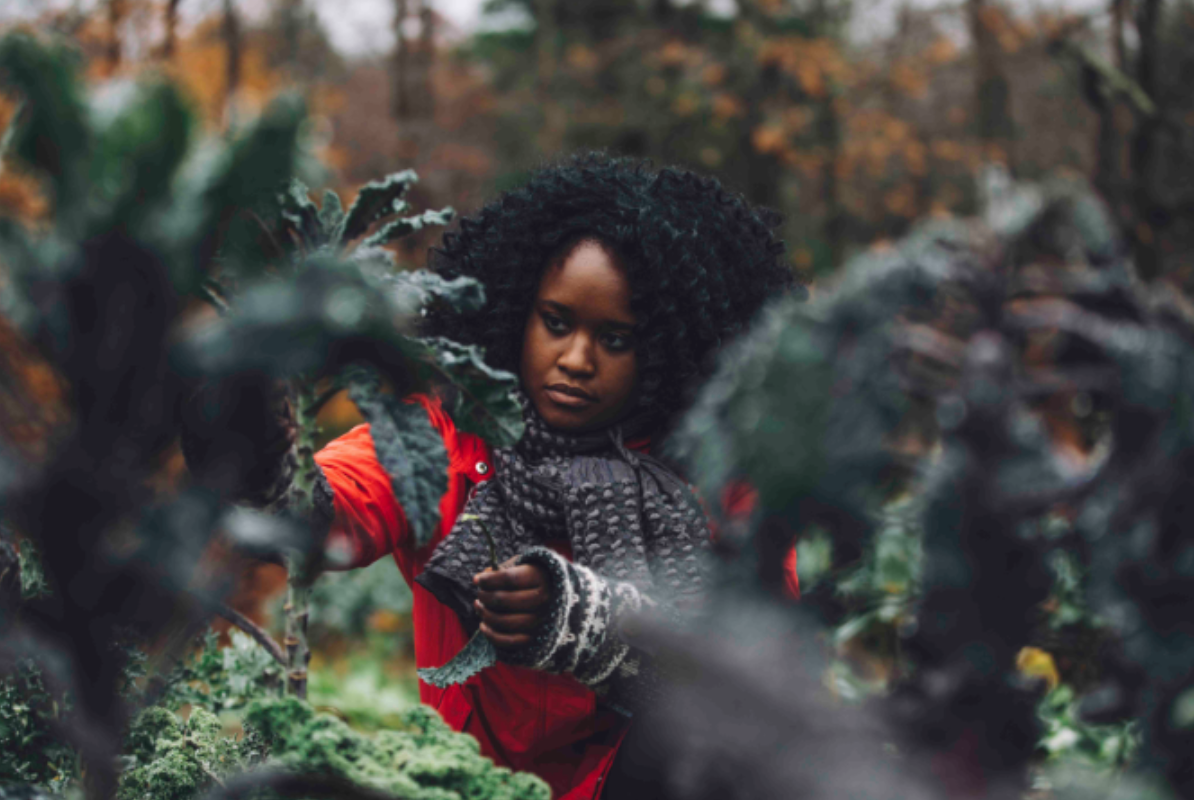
(525, 719)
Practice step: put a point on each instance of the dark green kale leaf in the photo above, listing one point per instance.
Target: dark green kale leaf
(483, 401)
(375, 201)
(476, 655)
(408, 225)
(411, 451)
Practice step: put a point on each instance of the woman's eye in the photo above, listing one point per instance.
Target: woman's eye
(554, 323)
(617, 341)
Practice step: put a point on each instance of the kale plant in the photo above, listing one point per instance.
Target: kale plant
(423, 759)
(147, 217)
(958, 369)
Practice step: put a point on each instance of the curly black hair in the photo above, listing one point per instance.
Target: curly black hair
(701, 261)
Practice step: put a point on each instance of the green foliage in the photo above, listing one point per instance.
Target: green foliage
(364, 687)
(169, 759)
(477, 654)
(221, 679)
(33, 579)
(53, 136)
(29, 750)
(803, 404)
(411, 451)
(143, 213)
(342, 603)
(376, 201)
(884, 586)
(1067, 736)
(123, 160)
(344, 313)
(482, 400)
(424, 760)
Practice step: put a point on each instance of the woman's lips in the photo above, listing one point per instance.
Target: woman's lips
(567, 400)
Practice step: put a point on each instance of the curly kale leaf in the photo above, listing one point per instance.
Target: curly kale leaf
(169, 759)
(29, 750)
(475, 656)
(423, 760)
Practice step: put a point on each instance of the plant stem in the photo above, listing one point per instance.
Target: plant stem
(301, 566)
(493, 562)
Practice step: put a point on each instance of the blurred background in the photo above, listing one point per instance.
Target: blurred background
(853, 119)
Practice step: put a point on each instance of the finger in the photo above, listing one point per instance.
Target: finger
(505, 641)
(523, 576)
(526, 600)
(509, 623)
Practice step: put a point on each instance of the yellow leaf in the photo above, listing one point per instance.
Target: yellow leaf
(1034, 662)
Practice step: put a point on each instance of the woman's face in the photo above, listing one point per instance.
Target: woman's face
(578, 361)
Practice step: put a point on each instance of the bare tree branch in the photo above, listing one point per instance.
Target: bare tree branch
(253, 629)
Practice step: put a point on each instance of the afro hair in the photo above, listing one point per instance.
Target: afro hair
(700, 260)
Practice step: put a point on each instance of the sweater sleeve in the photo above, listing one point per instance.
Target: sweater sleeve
(581, 635)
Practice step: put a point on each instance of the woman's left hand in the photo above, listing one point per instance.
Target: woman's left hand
(512, 602)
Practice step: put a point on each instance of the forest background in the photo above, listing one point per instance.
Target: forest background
(852, 137)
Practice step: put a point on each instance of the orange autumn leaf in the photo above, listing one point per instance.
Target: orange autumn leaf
(727, 106)
(673, 54)
(713, 75)
(768, 139)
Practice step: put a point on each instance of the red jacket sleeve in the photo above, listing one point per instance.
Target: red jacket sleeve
(369, 523)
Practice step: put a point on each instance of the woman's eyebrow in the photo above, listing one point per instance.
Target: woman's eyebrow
(565, 310)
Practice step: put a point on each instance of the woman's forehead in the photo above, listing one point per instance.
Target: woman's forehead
(590, 280)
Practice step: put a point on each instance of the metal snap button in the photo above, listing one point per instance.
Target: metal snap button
(482, 468)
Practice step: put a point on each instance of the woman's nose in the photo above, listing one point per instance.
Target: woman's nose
(577, 358)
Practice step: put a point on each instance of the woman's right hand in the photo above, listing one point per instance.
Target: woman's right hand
(512, 602)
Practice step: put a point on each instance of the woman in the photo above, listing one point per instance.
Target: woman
(610, 286)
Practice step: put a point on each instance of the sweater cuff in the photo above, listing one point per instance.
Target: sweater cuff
(579, 636)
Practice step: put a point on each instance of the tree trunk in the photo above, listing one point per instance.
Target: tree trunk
(1144, 144)
(117, 9)
(992, 113)
(232, 46)
(171, 23)
(1119, 15)
(829, 135)
(1108, 177)
(426, 102)
(545, 40)
(292, 21)
(399, 94)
